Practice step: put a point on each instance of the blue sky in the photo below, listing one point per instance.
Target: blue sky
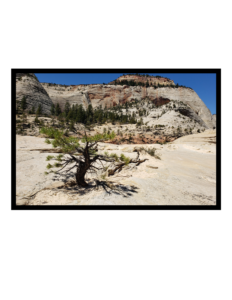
(203, 84)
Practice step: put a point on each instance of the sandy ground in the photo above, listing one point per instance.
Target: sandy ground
(185, 175)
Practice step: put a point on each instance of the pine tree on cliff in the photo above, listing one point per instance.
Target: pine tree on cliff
(57, 109)
(71, 126)
(53, 110)
(39, 110)
(66, 108)
(90, 113)
(24, 120)
(23, 104)
(83, 158)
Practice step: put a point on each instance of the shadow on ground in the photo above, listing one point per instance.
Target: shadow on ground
(110, 187)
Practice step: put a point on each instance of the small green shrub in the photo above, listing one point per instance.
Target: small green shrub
(125, 159)
(151, 151)
(36, 120)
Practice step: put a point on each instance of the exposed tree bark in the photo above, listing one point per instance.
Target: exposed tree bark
(80, 179)
(118, 168)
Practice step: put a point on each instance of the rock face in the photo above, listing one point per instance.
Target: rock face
(111, 95)
(188, 97)
(148, 80)
(188, 112)
(214, 119)
(72, 94)
(28, 85)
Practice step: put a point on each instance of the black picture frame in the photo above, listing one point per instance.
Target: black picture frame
(116, 207)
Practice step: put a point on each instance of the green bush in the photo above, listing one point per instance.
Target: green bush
(151, 151)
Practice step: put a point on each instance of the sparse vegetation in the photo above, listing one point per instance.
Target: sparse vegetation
(84, 158)
(130, 113)
(39, 110)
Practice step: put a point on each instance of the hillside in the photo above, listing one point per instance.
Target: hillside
(162, 112)
(28, 86)
(111, 95)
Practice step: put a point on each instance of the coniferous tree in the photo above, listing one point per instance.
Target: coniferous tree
(57, 109)
(67, 108)
(36, 119)
(90, 110)
(24, 119)
(70, 115)
(84, 157)
(39, 110)
(53, 110)
(71, 126)
(23, 104)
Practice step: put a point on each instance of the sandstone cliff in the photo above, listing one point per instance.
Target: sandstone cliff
(111, 95)
(149, 80)
(73, 94)
(214, 118)
(28, 85)
(187, 96)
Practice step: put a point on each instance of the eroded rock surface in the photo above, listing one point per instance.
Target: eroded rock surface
(27, 85)
(149, 80)
(185, 174)
(111, 95)
(62, 94)
(108, 95)
(214, 119)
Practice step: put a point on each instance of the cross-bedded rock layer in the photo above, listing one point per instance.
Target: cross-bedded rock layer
(28, 86)
(108, 95)
(147, 80)
(111, 95)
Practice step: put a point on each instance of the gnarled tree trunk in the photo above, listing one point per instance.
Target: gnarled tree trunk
(80, 179)
(82, 170)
